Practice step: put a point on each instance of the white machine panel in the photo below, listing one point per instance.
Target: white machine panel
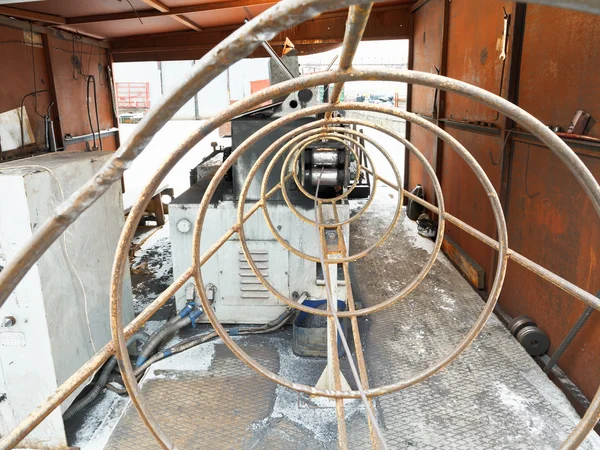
(239, 297)
(61, 307)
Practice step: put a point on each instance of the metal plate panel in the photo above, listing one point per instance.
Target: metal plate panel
(552, 222)
(493, 397)
(466, 199)
(560, 72)
(427, 51)
(474, 46)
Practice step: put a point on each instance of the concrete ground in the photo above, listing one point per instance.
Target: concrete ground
(494, 396)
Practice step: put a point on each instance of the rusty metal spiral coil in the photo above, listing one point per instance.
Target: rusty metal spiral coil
(239, 45)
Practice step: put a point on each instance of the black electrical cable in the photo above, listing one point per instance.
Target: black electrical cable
(73, 56)
(92, 79)
(89, 111)
(196, 340)
(97, 116)
(34, 93)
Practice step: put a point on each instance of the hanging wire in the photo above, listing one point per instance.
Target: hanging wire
(34, 93)
(495, 163)
(134, 10)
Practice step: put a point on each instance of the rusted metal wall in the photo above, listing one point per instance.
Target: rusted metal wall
(474, 46)
(551, 70)
(48, 65)
(560, 70)
(427, 52)
(465, 198)
(71, 89)
(427, 27)
(19, 62)
(550, 219)
(552, 222)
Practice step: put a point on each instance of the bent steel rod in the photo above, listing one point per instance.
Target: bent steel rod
(473, 332)
(534, 267)
(332, 332)
(555, 144)
(358, 16)
(358, 348)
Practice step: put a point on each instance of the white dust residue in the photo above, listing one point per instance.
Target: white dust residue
(523, 408)
(420, 242)
(381, 213)
(443, 300)
(100, 421)
(550, 393)
(511, 399)
(159, 266)
(153, 261)
(320, 421)
(195, 359)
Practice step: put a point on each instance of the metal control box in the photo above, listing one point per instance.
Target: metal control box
(239, 297)
(58, 316)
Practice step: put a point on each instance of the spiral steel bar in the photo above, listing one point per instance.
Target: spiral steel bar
(241, 43)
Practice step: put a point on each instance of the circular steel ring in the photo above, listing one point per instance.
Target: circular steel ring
(284, 191)
(275, 233)
(555, 144)
(324, 135)
(312, 197)
(358, 312)
(334, 136)
(298, 153)
(487, 310)
(299, 253)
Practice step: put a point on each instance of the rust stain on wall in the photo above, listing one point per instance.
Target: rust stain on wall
(427, 51)
(474, 30)
(552, 222)
(559, 70)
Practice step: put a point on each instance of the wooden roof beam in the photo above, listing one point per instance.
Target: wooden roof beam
(322, 33)
(164, 9)
(32, 15)
(216, 6)
(157, 5)
(187, 22)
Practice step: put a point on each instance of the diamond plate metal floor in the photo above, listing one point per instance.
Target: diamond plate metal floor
(493, 397)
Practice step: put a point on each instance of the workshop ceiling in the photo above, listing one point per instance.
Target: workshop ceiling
(159, 30)
(109, 19)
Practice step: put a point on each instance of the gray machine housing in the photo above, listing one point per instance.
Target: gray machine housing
(236, 293)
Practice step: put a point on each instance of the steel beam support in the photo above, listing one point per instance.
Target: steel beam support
(438, 150)
(409, 96)
(52, 88)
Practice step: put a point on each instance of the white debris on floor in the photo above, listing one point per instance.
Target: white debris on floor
(100, 420)
(196, 359)
(318, 416)
(152, 269)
